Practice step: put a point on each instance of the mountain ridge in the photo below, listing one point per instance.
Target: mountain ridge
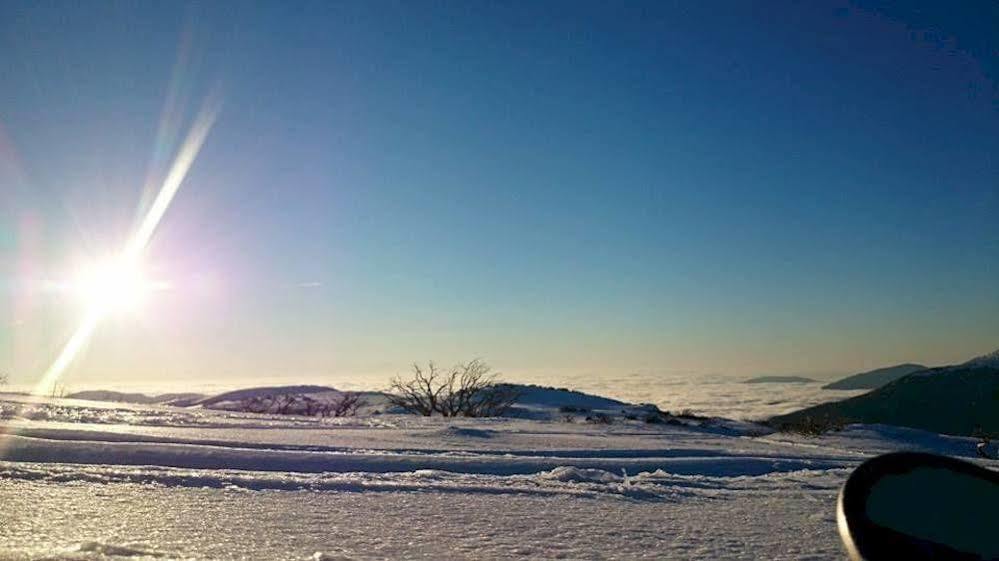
(876, 378)
(961, 399)
(990, 360)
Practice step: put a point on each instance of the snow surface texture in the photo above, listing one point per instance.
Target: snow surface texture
(83, 480)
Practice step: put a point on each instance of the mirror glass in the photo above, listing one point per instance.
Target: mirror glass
(917, 506)
(941, 506)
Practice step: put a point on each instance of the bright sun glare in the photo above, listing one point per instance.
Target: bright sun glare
(120, 284)
(113, 286)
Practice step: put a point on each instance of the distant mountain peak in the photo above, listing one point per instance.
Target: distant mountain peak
(990, 360)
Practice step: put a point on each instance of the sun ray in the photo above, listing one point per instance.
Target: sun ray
(178, 171)
(137, 244)
(72, 348)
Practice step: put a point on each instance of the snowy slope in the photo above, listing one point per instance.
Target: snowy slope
(86, 480)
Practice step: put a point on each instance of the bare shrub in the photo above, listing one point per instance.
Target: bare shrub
(468, 389)
(284, 402)
(600, 419)
(59, 390)
(654, 418)
(345, 405)
(812, 426)
(311, 407)
(256, 404)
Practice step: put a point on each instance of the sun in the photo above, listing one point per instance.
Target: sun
(113, 286)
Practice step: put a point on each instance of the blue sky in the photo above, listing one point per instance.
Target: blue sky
(558, 187)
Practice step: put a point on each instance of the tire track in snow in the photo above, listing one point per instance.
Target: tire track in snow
(199, 456)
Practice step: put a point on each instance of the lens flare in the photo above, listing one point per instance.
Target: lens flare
(120, 284)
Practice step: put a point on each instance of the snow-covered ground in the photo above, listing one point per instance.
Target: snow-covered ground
(93, 480)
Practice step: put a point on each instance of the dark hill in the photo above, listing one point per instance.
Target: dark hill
(874, 378)
(958, 400)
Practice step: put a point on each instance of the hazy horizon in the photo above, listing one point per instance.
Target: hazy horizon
(678, 191)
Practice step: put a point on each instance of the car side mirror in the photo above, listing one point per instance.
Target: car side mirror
(916, 506)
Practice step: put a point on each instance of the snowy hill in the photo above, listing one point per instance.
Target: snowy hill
(961, 399)
(132, 397)
(533, 400)
(305, 400)
(540, 402)
(108, 395)
(561, 397)
(874, 378)
(250, 393)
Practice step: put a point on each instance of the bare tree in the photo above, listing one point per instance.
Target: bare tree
(418, 394)
(345, 406)
(4, 378)
(59, 390)
(469, 389)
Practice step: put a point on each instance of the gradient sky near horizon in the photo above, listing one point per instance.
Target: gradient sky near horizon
(681, 188)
